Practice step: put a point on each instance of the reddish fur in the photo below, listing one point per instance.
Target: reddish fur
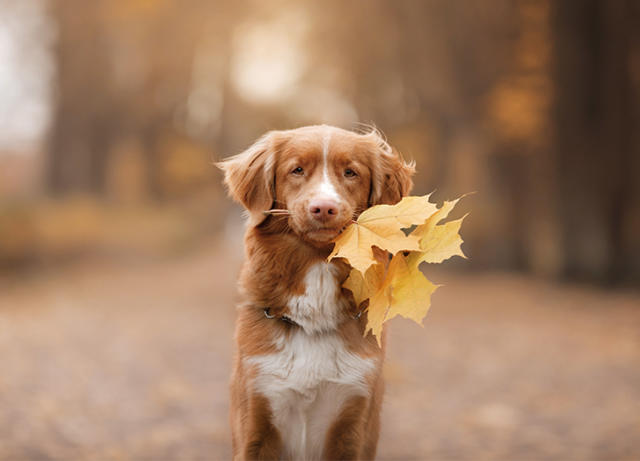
(278, 253)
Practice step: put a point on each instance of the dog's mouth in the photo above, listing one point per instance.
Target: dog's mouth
(324, 234)
(313, 230)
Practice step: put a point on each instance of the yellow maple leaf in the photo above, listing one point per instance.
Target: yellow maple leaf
(411, 291)
(377, 312)
(397, 286)
(362, 286)
(381, 226)
(401, 289)
(438, 241)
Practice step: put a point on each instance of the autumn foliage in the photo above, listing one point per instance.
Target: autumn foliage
(385, 248)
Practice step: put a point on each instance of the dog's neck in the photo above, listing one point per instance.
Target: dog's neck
(292, 278)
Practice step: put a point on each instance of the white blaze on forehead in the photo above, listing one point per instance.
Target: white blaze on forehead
(326, 188)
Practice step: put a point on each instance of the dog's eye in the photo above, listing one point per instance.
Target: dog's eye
(349, 173)
(298, 171)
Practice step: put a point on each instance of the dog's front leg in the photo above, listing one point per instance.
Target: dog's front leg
(263, 440)
(345, 437)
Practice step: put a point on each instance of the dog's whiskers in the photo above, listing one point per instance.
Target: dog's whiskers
(277, 212)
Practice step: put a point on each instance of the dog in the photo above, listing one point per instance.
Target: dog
(306, 383)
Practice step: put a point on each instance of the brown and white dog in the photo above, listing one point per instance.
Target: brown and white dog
(306, 384)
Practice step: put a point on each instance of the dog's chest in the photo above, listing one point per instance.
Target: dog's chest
(306, 382)
(312, 374)
(321, 307)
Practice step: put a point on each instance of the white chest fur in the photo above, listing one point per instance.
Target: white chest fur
(312, 375)
(321, 307)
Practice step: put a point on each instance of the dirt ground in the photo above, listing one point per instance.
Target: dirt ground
(132, 362)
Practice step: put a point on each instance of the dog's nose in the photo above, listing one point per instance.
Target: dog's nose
(323, 209)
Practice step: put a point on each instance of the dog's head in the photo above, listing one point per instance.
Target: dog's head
(323, 176)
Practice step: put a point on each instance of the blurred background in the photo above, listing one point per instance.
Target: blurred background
(119, 250)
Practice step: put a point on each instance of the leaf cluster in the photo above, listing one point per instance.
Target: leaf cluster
(385, 248)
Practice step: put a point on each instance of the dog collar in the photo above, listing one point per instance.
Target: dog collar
(284, 318)
(288, 320)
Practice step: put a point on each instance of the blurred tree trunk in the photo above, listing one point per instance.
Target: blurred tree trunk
(620, 20)
(593, 133)
(80, 130)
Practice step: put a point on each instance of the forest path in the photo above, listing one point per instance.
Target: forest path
(132, 362)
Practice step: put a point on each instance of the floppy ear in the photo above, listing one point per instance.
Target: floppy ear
(391, 178)
(249, 177)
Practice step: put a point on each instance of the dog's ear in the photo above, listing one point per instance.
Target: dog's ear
(391, 175)
(250, 177)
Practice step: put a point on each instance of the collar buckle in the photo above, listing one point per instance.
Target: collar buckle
(284, 318)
